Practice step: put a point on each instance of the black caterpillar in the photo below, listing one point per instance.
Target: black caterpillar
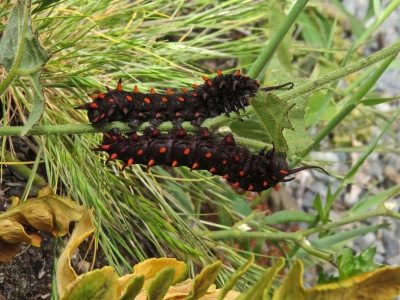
(224, 93)
(201, 152)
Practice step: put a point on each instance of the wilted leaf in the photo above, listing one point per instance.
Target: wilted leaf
(45, 213)
(382, 284)
(65, 273)
(98, 284)
(152, 266)
(292, 287)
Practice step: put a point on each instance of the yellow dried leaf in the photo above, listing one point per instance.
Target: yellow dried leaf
(382, 284)
(65, 273)
(8, 251)
(292, 287)
(151, 267)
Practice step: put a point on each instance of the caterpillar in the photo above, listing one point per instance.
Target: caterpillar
(224, 93)
(200, 151)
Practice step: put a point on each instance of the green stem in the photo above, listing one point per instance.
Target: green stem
(17, 166)
(222, 120)
(236, 233)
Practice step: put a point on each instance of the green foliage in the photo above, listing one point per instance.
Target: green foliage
(350, 265)
(166, 44)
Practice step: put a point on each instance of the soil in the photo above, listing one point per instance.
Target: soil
(29, 274)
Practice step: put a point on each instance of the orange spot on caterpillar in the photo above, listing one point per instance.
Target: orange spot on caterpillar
(250, 188)
(195, 86)
(94, 105)
(187, 151)
(204, 78)
(102, 116)
(226, 176)
(209, 83)
(150, 163)
(101, 96)
(92, 96)
(112, 157)
(194, 94)
(105, 147)
(169, 92)
(236, 158)
(163, 149)
(219, 73)
(174, 163)
(283, 172)
(181, 99)
(212, 170)
(238, 73)
(276, 188)
(130, 162)
(164, 99)
(129, 98)
(111, 100)
(208, 155)
(135, 89)
(147, 100)
(265, 183)
(195, 166)
(119, 85)
(241, 173)
(184, 90)
(152, 91)
(236, 184)
(224, 162)
(140, 152)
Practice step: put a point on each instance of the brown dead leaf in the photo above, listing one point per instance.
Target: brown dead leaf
(48, 213)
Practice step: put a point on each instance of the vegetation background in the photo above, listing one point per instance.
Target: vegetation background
(171, 44)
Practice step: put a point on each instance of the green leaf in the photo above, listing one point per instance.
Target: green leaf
(273, 114)
(350, 265)
(317, 204)
(159, 285)
(261, 288)
(22, 54)
(323, 279)
(203, 281)
(133, 288)
(235, 277)
(314, 105)
(298, 138)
